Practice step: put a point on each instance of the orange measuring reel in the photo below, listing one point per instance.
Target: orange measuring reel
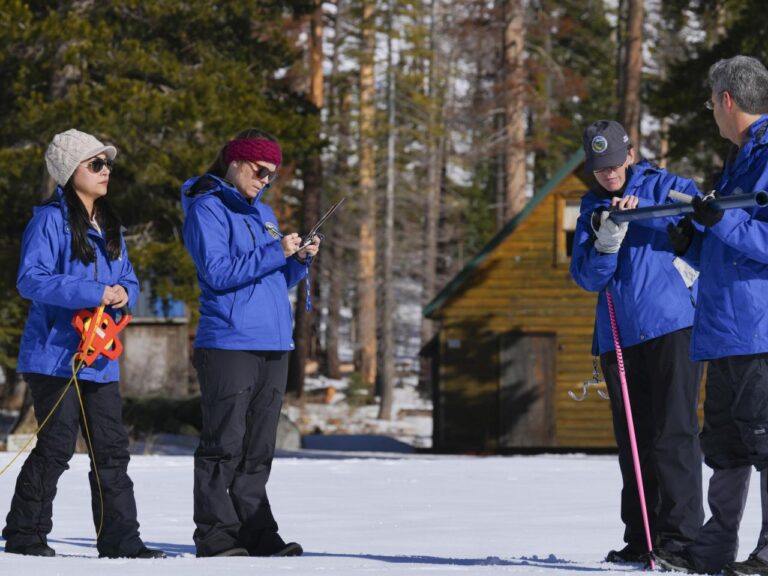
(98, 333)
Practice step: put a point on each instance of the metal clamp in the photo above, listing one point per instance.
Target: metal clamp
(596, 382)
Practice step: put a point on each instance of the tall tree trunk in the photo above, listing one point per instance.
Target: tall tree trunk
(621, 48)
(500, 120)
(663, 125)
(669, 43)
(316, 93)
(432, 199)
(335, 279)
(514, 88)
(389, 309)
(500, 165)
(630, 111)
(339, 107)
(313, 185)
(366, 273)
(303, 332)
(714, 22)
(542, 122)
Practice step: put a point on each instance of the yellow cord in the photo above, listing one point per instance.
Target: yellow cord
(95, 326)
(75, 370)
(90, 447)
(34, 435)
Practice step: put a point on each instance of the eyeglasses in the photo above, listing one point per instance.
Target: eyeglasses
(262, 172)
(97, 165)
(710, 104)
(608, 169)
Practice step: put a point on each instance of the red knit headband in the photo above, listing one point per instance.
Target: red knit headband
(253, 149)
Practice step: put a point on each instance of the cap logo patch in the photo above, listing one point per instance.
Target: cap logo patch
(599, 144)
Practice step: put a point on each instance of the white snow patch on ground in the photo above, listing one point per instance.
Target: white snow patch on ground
(555, 515)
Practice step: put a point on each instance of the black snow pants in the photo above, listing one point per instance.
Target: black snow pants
(30, 518)
(734, 439)
(241, 395)
(664, 392)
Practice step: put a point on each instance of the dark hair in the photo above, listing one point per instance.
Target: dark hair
(79, 225)
(219, 167)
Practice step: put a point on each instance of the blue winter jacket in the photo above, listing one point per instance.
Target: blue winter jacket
(244, 275)
(649, 294)
(732, 314)
(59, 286)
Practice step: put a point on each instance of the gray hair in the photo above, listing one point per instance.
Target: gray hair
(745, 79)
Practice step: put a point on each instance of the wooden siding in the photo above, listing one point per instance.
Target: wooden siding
(521, 286)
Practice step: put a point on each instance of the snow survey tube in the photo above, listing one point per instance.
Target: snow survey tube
(678, 208)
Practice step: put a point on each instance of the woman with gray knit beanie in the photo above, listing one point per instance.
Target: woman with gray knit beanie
(73, 256)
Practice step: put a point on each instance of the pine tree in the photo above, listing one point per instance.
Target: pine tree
(726, 28)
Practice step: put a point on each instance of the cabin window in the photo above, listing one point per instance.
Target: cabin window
(568, 208)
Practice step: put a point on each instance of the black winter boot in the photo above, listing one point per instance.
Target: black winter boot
(271, 544)
(677, 562)
(752, 565)
(630, 554)
(143, 553)
(37, 549)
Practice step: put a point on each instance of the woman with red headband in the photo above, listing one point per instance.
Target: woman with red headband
(245, 267)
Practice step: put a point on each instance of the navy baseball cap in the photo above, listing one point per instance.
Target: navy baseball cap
(605, 144)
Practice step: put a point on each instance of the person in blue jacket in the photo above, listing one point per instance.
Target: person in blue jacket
(245, 266)
(730, 329)
(73, 256)
(654, 295)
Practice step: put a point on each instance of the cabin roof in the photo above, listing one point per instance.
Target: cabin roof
(457, 281)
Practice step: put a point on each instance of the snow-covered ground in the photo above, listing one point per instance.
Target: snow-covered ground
(406, 515)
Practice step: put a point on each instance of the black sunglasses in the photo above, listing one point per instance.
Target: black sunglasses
(262, 172)
(97, 165)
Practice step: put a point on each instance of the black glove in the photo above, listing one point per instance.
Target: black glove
(680, 236)
(704, 213)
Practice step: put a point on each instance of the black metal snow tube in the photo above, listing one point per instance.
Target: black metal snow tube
(679, 208)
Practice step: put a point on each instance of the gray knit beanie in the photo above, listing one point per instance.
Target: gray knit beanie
(68, 149)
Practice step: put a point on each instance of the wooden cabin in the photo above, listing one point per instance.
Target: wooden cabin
(156, 344)
(515, 335)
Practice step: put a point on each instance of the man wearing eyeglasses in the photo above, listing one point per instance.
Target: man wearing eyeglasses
(654, 294)
(731, 325)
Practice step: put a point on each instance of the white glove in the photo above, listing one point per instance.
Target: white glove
(610, 235)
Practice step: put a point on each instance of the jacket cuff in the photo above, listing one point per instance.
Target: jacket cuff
(730, 220)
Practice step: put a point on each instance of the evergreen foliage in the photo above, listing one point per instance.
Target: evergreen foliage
(739, 29)
(572, 65)
(168, 82)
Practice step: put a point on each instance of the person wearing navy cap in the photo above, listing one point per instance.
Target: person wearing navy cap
(654, 293)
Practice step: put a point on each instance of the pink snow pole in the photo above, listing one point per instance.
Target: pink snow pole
(630, 424)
